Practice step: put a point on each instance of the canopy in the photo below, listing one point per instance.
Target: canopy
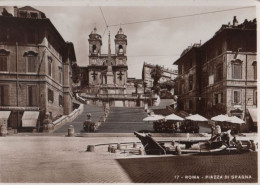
(153, 118)
(221, 118)
(235, 119)
(174, 117)
(253, 114)
(30, 118)
(5, 114)
(196, 117)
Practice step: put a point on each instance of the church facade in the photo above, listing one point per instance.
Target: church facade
(104, 80)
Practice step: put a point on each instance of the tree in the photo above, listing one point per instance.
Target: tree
(75, 72)
(156, 74)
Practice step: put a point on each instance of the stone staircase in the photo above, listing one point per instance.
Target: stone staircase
(125, 120)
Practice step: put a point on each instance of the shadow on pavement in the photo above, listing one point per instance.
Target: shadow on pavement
(241, 168)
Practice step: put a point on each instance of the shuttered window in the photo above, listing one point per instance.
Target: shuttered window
(50, 96)
(31, 64)
(3, 63)
(237, 97)
(255, 70)
(60, 75)
(32, 95)
(4, 95)
(49, 66)
(60, 100)
(190, 82)
(237, 71)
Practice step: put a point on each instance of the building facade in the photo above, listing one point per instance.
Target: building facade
(105, 79)
(222, 79)
(167, 75)
(35, 68)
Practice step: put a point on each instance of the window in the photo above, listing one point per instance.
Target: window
(190, 82)
(236, 97)
(190, 104)
(49, 66)
(32, 95)
(60, 100)
(4, 95)
(237, 69)
(23, 14)
(3, 63)
(218, 98)
(211, 79)
(182, 87)
(255, 97)
(50, 96)
(34, 15)
(219, 73)
(31, 64)
(94, 49)
(121, 50)
(255, 69)
(60, 74)
(191, 63)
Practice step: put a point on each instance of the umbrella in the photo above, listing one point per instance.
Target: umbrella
(235, 119)
(153, 118)
(196, 117)
(174, 117)
(221, 118)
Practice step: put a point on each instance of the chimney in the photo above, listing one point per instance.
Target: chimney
(235, 22)
(15, 11)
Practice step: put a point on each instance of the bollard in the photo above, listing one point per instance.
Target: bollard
(91, 148)
(71, 131)
(113, 150)
(140, 151)
(134, 145)
(178, 150)
(118, 147)
(109, 148)
(173, 143)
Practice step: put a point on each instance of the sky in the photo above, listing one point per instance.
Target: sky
(155, 42)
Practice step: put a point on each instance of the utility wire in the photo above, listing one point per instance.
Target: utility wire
(103, 16)
(181, 16)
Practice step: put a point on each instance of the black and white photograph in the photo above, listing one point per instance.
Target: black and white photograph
(127, 91)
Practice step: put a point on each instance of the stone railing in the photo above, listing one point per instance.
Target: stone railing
(68, 118)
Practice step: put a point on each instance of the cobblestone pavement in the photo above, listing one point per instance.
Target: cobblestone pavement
(64, 160)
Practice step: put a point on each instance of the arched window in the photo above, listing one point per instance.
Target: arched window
(237, 69)
(94, 49)
(120, 49)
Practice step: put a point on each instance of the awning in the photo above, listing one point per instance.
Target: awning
(196, 117)
(30, 118)
(174, 117)
(235, 119)
(253, 114)
(153, 118)
(5, 114)
(220, 118)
